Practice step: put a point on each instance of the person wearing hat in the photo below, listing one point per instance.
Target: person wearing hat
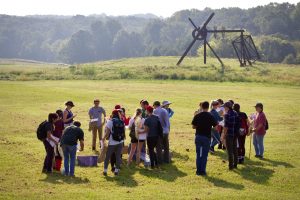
(166, 105)
(214, 132)
(96, 122)
(68, 116)
(259, 130)
(165, 123)
(231, 132)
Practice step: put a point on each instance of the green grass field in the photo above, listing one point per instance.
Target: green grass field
(23, 105)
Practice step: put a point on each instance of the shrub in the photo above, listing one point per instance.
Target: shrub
(160, 76)
(174, 76)
(125, 74)
(72, 69)
(89, 71)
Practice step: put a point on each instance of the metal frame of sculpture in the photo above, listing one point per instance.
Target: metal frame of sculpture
(243, 45)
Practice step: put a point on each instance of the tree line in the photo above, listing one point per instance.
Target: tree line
(78, 39)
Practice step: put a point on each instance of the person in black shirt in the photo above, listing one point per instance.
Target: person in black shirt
(203, 123)
(68, 143)
(49, 127)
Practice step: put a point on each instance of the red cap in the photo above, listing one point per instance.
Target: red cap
(117, 107)
(149, 109)
(115, 112)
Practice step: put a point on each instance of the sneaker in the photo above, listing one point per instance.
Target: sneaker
(212, 150)
(116, 173)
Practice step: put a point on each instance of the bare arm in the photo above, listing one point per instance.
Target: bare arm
(65, 119)
(49, 133)
(107, 133)
(81, 145)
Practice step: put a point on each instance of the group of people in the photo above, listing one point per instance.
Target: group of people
(225, 124)
(220, 123)
(60, 135)
(149, 126)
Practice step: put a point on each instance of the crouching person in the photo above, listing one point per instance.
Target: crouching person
(115, 133)
(68, 143)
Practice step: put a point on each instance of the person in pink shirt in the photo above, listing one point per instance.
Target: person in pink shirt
(259, 130)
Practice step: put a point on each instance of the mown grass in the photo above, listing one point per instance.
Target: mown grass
(154, 68)
(24, 104)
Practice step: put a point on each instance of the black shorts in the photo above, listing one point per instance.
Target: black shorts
(134, 140)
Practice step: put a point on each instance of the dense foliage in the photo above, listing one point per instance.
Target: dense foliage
(78, 39)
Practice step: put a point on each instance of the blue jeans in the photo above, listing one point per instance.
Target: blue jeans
(202, 149)
(258, 142)
(69, 159)
(215, 138)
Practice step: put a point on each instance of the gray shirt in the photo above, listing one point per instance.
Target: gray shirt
(96, 113)
(163, 116)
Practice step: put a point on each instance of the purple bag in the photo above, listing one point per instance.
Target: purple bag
(87, 161)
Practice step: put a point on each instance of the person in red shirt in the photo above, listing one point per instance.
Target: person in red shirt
(58, 130)
(259, 130)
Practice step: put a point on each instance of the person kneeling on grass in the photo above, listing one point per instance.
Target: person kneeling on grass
(115, 133)
(68, 143)
(203, 123)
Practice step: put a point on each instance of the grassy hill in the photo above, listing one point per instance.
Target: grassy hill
(24, 103)
(151, 68)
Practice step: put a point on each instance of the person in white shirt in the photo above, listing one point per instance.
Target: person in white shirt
(115, 133)
(137, 135)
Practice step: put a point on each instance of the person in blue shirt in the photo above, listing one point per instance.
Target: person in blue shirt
(166, 105)
(231, 132)
(165, 123)
(214, 133)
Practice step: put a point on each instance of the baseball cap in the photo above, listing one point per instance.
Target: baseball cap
(115, 112)
(149, 109)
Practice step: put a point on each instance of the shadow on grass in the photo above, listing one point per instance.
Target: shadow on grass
(224, 184)
(57, 178)
(125, 178)
(255, 170)
(276, 163)
(167, 172)
(179, 156)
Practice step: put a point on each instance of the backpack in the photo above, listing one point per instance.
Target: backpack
(118, 130)
(267, 125)
(41, 132)
(132, 132)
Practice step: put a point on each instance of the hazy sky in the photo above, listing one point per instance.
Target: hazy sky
(163, 8)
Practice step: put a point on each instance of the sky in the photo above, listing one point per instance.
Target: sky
(163, 8)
